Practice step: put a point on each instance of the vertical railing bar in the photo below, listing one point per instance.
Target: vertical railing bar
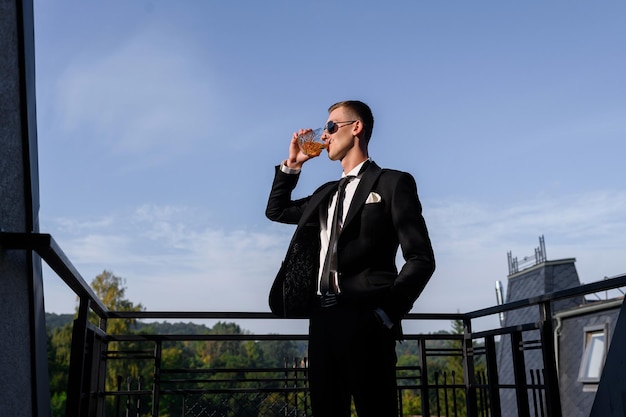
(481, 394)
(76, 379)
(120, 380)
(534, 391)
(129, 380)
(454, 402)
(286, 385)
(138, 397)
(542, 404)
(437, 388)
(519, 372)
(424, 377)
(102, 366)
(400, 406)
(445, 392)
(307, 397)
(487, 406)
(551, 377)
(468, 369)
(492, 377)
(156, 385)
(295, 383)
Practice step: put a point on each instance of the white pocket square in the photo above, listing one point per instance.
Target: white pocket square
(373, 198)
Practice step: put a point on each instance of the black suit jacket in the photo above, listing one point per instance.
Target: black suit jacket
(367, 247)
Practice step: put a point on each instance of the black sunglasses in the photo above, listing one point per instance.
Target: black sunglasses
(331, 127)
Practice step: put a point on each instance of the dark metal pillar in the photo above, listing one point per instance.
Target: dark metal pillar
(519, 372)
(492, 377)
(551, 374)
(24, 386)
(424, 377)
(468, 368)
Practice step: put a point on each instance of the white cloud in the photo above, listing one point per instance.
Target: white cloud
(472, 240)
(174, 259)
(596, 215)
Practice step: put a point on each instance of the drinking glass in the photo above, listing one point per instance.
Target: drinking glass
(311, 142)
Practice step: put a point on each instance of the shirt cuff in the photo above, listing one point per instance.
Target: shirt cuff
(284, 168)
(384, 318)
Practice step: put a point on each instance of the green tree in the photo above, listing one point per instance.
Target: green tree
(277, 353)
(111, 290)
(59, 341)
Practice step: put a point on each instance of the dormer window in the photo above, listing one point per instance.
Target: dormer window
(594, 354)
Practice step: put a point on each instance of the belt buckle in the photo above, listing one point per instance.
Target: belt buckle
(328, 300)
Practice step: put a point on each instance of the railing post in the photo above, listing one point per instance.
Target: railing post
(519, 373)
(156, 385)
(76, 401)
(468, 368)
(99, 368)
(424, 377)
(120, 379)
(437, 389)
(295, 382)
(551, 376)
(493, 380)
(286, 385)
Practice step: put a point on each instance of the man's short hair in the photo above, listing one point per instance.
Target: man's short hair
(360, 111)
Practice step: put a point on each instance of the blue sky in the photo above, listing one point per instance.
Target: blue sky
(160, 124)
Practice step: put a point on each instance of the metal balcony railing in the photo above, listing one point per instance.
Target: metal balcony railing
(471, 389)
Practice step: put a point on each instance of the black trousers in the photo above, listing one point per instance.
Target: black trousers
(351, 355)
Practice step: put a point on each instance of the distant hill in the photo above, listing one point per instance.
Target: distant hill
(172, 328)
(54, 321)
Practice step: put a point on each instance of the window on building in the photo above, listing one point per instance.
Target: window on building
(594, 354)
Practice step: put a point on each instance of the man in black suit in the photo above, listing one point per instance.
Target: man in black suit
(347, 283)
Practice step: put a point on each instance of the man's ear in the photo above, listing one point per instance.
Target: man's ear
(357, 128)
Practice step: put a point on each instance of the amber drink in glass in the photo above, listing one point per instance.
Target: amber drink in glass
(311, 142)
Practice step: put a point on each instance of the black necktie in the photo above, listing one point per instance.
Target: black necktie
(329, 282)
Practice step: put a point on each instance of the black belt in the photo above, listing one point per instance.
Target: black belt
(328, 300)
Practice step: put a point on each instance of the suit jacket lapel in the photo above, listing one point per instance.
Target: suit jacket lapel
(368, 179)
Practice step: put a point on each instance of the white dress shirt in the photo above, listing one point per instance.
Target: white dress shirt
(327, 225)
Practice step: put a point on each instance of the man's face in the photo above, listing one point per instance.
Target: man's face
(342, 139)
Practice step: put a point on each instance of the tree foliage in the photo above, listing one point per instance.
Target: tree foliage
(110, 289)
(131, 364)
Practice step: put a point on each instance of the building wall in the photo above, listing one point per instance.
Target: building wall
(576, 397)
(546, 277)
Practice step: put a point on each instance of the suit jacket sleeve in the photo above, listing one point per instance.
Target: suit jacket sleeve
(412, 235)
(294, 287)
(280, 207)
